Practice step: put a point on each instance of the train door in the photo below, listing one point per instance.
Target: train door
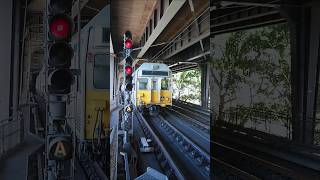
(143, 91)
(155, 91)
(166, 92)
(97, 95)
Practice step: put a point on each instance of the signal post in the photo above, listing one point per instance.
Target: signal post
(128, 70)
(59, 147)
(128, 153)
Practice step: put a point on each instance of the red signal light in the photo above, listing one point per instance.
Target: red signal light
(128, 70)
(60, 28)
(128, 43)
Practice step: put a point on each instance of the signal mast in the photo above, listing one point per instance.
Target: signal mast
(127, 113)
(59, 26)
(128, 70)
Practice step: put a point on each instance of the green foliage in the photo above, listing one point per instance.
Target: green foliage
(187, 86)
(256, 61)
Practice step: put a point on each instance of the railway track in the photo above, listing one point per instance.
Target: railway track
(193, 110)
(185, 158)
(196, 134)
(191, 114)
(163, 156)
(203, 126)
(239, 164)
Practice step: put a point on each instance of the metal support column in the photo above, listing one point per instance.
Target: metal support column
(305, 32)
(204, 85)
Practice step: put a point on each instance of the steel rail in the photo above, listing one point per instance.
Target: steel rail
(193, 120)
(234, 171)
(194, 111)
(253, 157)
(275, 168)
(195, 155)
(167, 157)
(188, 142)
(199, 109)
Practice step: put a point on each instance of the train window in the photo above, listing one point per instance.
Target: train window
(100, 72)
(143, 84)
(165, 84)
(154, 85)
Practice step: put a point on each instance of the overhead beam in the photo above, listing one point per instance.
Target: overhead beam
(197, 22)
(75, 8)
(199, 39)
(245, 3)
(164, 21)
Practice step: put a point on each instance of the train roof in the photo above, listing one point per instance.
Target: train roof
(152, 70)
(154, 67)
(102, 18)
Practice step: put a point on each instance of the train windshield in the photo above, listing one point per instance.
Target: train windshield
(165, 84)
(101, 71)
(143, 84)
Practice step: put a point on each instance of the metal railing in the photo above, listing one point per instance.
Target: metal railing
(10, 134)
(270, 122)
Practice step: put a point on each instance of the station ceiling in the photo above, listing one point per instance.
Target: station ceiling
(132, 15)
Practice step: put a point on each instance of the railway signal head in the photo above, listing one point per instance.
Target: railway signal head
(128, 73)
(127, 43)
(127, 38)
(60, 28)
(128, 70)
(60, 6)
(60, 54)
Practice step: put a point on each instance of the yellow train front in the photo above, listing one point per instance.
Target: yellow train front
(152, 86)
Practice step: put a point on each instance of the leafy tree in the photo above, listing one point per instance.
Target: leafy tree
(255, 64)
(187, 86)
